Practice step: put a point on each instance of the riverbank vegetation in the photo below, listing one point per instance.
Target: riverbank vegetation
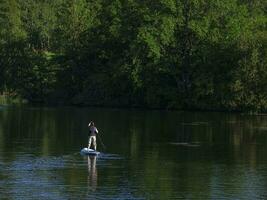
(175, 54)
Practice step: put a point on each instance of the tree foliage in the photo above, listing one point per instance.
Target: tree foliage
(189, 54)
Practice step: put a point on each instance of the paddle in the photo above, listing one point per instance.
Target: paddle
(104, 147)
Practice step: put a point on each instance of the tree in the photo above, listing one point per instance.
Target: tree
(39, 20)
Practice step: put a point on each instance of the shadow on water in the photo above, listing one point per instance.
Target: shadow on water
(184, 144)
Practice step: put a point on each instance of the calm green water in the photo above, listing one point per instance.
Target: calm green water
(149, 155)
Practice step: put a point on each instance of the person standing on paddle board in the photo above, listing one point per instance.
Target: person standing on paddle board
(92, 135)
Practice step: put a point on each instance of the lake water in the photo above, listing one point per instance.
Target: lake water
(148, 155)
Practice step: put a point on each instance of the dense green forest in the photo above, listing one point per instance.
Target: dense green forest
(171, 54)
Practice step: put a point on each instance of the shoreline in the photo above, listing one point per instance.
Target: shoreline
(10, 101)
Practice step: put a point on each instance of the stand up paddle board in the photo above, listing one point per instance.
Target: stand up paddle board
(86, 151)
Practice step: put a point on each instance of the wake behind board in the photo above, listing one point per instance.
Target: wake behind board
(86, 151)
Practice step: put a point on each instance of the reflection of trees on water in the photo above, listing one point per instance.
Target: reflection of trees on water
(49, 129)
(229, 146)
(92, 172)
(238, 137)
(227, 141)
